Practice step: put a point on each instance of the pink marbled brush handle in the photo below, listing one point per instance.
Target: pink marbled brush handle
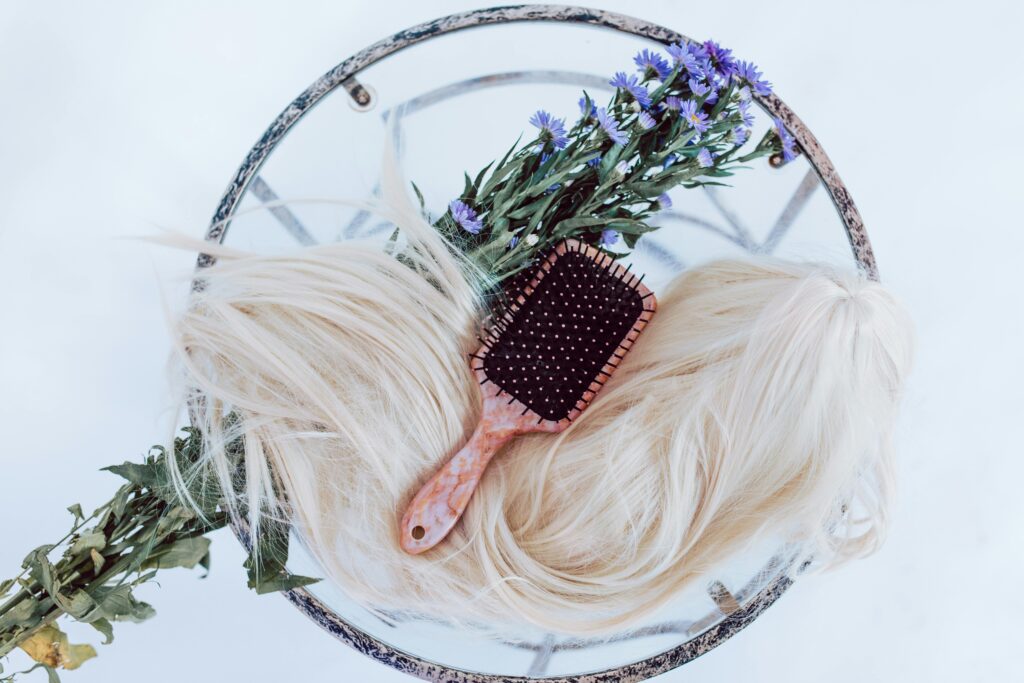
(441, 501)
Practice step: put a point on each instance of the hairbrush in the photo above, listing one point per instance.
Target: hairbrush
(546, 354)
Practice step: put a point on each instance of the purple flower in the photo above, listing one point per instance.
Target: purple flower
(704, 158)
(699, 89)
(551, 130)
(721, 58)
(694, 116)
(465, 216)
(610, 126)
(609, 237)
(663, 201)
(673, 103)
(740, 135)
(746, 72)
(745, 116)
(631, 84)
(788, 142)
(646, 121)
(652, 65)
(595, 162)
(683, 56)
(708, 71)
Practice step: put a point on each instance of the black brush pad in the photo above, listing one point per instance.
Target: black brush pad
(547, 351)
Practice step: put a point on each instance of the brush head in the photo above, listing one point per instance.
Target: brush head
(555, 342)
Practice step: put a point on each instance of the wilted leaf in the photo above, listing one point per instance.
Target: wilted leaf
(97, 560)
(50, 647)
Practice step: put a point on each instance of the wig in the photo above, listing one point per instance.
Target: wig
(759, 401)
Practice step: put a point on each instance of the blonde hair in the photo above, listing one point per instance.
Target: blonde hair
(760, 400)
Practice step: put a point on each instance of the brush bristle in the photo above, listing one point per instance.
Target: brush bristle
(550, 345)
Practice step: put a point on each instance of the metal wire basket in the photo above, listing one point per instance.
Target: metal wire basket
(422, 75)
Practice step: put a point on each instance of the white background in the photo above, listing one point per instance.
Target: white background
(115, 118)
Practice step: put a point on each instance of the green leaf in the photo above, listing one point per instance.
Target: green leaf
(282, 582)
(23, 615)
(33, 557)
(152, 474)
(104, 627)
(187, 553)
(501, 171)
(41, 570)
(79, 605)
(95, 540)
(577, 222)
(76, 510)
(419, 196)
(118, 604)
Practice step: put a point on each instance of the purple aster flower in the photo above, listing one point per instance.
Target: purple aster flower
(745, 116)
(705, 158)
(721, 58)
(646, 121)
(595, 162)
(746, 72)
(652, 65)
(740, 135)
(694, 116)
(699, 89)
(708, 71)
(683, 56)
(551, 129)
(610, 126)
(631, 84)
(673, 103)
(609, 237)
(465, 216)
(788, 141)
(663, 201)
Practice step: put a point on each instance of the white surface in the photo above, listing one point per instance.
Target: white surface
(117, 118)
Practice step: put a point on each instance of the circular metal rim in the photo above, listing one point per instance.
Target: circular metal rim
(819, 160)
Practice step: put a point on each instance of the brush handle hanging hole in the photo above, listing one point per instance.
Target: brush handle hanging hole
(418, 532)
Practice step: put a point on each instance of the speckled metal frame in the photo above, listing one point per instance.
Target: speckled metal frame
(343, 75)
